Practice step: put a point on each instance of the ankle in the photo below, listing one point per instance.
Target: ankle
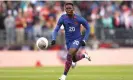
(65, 74)
(83, 55)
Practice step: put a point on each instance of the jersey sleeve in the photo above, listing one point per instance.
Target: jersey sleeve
(55, 32)
(87, 27)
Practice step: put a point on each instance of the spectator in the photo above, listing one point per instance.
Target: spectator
(45, 11)
(107, 21)
(37, 30)
(51, 22)
(131, 19)
(9, 23)
(28, 15)
(125, 16)
(116, 20)
(20, 24)
(2, 17)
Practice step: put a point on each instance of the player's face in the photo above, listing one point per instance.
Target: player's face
(69, 9)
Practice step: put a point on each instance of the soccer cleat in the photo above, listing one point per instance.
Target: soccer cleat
(63, 77)
(87, 57)
(73, 64)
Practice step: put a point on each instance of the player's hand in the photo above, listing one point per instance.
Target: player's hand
(53, 42)
(83, 43)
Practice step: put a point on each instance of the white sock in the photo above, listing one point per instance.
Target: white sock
(73, 63)
(63, 76)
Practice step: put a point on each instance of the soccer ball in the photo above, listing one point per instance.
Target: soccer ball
(42, 43)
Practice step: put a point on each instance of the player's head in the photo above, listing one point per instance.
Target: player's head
(69, 8)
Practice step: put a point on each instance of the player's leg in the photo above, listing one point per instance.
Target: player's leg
(82, 54)
(79, 56)
(76, 44)
(68, 63)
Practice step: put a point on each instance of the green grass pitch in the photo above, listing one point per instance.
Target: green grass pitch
(79, 73)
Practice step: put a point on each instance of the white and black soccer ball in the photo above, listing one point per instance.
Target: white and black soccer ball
(42, 43)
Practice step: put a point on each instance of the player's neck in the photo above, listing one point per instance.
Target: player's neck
(71, 16)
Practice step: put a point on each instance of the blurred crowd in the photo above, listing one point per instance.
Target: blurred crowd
(28, 20)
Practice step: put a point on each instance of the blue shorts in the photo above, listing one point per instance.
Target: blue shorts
(73, 44)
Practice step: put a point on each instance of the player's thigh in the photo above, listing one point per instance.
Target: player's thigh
(74, 47)
(72, 51)
(68, 45)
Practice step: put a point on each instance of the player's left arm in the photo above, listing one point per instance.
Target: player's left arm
(87, 31)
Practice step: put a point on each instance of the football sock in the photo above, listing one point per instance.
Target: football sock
(68, 64)
(79, 57)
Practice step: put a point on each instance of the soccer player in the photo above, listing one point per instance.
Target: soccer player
(74, 38)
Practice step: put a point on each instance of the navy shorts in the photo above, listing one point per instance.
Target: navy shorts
(74, 44)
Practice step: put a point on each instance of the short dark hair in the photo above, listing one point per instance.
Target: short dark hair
(69, 4)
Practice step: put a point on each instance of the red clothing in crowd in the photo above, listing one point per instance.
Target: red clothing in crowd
(19, 22)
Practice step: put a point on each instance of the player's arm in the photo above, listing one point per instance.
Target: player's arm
(87, 31)
(57, 28)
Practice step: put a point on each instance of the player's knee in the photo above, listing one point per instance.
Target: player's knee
(72, 52)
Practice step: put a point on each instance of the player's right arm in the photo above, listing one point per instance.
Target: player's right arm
(57, 28)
